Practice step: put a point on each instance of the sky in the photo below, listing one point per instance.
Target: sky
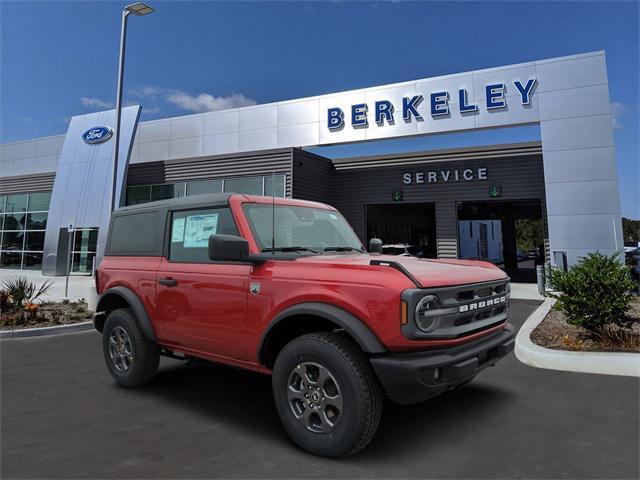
(59, 59)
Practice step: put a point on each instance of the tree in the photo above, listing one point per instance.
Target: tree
(630, 230)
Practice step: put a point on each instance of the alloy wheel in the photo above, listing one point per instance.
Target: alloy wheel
(315, 397)
(120, 349)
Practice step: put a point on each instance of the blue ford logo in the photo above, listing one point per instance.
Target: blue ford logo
(97, 135)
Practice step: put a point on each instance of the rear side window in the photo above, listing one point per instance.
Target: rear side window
(135, 234)
(190, 230)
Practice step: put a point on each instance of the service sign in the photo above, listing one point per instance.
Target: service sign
(440, 104)
(97, 135)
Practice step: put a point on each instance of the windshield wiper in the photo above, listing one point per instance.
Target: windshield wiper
(289, 249)
(342, 249)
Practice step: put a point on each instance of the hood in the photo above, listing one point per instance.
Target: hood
(429, 272)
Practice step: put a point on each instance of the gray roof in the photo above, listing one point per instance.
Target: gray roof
(204, 200)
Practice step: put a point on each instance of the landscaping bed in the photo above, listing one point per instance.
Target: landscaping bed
(22, 307)
(47, 314)
(554, 332)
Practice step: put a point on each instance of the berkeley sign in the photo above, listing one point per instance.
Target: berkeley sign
(384, 110)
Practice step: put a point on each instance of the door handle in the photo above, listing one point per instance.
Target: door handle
(168, 282)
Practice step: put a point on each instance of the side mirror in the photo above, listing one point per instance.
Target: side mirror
(375, 245)
(228, 248)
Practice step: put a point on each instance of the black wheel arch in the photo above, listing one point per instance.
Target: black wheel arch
(315, 315)
(123, 297)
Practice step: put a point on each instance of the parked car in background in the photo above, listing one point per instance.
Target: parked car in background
(632, 259)
(402, 250)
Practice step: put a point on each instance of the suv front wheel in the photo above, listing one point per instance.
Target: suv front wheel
(131, 358)
(327, 396)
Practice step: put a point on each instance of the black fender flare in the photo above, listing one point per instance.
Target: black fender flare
(126, 294)
(363, 336)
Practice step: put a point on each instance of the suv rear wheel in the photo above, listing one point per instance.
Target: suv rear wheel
(131, 359)
(328, 398)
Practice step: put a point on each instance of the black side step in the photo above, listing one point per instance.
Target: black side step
(397, 266)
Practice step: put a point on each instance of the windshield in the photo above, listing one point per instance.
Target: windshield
(300, 229)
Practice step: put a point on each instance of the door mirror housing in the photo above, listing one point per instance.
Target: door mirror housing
(228, 248)
(375, 245)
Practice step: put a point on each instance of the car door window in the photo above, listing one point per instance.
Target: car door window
(190, 230)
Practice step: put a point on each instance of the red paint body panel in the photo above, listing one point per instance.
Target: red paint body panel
(212, 314)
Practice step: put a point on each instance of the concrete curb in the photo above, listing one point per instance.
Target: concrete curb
(42, 331)
(608, 363)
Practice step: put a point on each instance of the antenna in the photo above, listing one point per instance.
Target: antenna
(273, 212)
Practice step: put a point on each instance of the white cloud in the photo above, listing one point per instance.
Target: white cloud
(95, 103)
(146, 91)
(617, 110)
(205, 102)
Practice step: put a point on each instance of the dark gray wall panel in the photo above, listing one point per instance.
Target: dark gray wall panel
(521, 178)
(312, 176)
(145, 173)
(41, 182)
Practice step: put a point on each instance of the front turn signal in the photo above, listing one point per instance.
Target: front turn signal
(404, 308)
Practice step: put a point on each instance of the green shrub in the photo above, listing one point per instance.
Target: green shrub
(595, 292)
(20, 291)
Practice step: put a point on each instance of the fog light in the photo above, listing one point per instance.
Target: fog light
(436, 374)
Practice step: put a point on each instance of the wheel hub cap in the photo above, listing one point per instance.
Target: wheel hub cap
(120, 349)
(314, 397)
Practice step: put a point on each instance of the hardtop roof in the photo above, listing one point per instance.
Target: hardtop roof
(208, 199)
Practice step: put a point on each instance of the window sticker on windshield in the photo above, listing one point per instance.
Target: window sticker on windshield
(177, 232)
(198, 228)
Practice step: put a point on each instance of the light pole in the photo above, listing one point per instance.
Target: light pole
(138, 9)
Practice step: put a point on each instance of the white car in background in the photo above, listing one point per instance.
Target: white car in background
(401, 250)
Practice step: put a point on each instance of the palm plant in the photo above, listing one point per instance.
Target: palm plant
(22, 291)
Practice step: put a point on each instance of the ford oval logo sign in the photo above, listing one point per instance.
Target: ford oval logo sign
(97, 135)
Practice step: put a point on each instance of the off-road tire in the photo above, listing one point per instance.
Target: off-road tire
(362, 395)
(145, 354)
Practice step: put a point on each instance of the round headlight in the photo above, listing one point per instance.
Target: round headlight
(427, 318)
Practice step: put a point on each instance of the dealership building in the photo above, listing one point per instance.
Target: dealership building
(475, 202)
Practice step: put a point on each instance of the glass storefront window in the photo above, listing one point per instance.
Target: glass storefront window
(85, 240)
(136, 195)
(11, 259)
(83, 254)
(210, 186)
(39, 202)
(249, 185)
(12, 240)
(16, 203)
(279, 183)
(23, 221)
(83, 262)
(34, 241)
(37, 221)
(32, 261)
(164, 192)
(14, 221)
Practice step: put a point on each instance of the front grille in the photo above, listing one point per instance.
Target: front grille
(481, 292)
(465, 309)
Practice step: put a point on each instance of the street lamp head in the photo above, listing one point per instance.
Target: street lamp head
(139, 9)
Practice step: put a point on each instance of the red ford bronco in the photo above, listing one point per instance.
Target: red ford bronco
(285, 287)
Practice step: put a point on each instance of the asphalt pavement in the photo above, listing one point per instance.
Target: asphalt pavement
(62, 416)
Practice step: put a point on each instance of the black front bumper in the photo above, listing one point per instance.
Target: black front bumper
(414, 377)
